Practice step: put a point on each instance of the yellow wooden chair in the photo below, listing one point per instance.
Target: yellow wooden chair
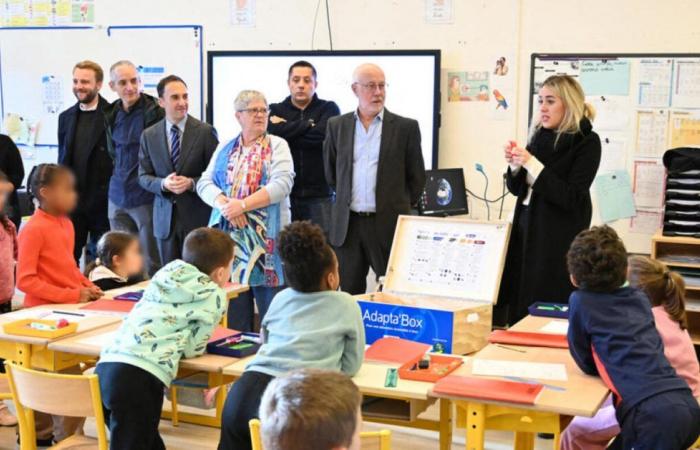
(47, 392)
(371, 440)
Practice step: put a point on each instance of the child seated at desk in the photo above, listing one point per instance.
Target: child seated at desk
(46, 268)
(309, 325)
(612, 334)
(311, 409)
(119, 261)
(666, 291)
(175, 318)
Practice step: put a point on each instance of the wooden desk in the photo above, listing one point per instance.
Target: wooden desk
(370, 381)
(534, 323)
(583, 396)
(212, 365)
(33, 352)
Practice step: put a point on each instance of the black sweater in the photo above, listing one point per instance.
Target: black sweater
(11, 164)
(305, 131)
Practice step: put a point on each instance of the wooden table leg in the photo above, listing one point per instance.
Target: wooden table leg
(218, 380)
(445, 424)
(524, 441)
(23, 355)
(476, 419)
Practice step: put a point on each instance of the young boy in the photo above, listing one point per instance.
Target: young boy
(175, 318)
(311, 410)
(612, 334)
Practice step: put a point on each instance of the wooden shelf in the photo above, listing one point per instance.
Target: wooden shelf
(679, 264)
(658, 237)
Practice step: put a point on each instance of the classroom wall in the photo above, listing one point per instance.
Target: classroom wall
(482, 31)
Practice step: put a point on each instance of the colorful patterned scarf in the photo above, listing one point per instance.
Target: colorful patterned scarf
(239, 172)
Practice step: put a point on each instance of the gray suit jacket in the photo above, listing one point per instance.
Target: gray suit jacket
(198, 144)
(400, 172)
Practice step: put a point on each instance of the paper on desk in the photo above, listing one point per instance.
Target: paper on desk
(556, 327)
(43, 314)
(99, 340)
(539, 371)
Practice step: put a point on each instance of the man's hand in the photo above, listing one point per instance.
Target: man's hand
(277, 119)
(177, 184)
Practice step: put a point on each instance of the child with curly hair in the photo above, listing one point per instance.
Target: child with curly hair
(612, 333)
(309, 325)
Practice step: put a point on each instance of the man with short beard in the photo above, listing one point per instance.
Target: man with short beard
(82, 147)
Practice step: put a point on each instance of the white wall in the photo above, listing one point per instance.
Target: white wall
(482, 31)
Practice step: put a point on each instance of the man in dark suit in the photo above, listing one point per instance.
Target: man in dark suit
(82, 146)
(174, 153)
(374, 162)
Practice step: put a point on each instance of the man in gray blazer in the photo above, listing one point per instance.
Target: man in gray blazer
(374, 162)
(174, 153)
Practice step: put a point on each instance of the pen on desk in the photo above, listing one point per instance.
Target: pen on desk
(511, 348)
(67, 313)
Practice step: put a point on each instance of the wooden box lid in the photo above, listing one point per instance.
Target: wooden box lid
(451, 258)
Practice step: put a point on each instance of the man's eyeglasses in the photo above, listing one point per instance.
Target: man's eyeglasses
(256, 111)
(373, 86)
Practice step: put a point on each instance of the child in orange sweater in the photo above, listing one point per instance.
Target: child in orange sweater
(46, 269)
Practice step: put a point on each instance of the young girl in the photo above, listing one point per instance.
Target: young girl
(119, 261)
(309, 325)
(666, 291)
(8, 255)
(46, 269)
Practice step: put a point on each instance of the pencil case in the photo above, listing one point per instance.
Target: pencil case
(546, 309)
(439, 366)
(23, 327)
(134, 296)
(237, 345)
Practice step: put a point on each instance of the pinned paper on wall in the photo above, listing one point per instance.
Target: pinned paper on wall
(52, 93)
(685, 130)
(605, 77)
(439, 11)
(686, 89)
(468, 86)
(243, 13)
(646, 221)
(614, 196)
(20, 129)
(546, 68)
(613, 155)
(655, 83)
(649, 184)
(150, 76)
(652, 133)
(612, 113)
(46, 13)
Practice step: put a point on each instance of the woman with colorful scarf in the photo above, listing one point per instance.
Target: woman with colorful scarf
(247, 184)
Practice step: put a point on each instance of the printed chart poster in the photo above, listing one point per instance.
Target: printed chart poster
(685, 130)
(468, 86)
(46, 13)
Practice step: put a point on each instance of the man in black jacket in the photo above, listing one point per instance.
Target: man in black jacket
(130, 206)
(301, 120)
(82, 146)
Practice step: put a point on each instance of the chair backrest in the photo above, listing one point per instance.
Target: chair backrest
(371, 440)
(255, 437)
(53, 393)
(376, 440)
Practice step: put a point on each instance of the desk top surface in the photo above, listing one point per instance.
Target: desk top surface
(232, 289)
(86, 323)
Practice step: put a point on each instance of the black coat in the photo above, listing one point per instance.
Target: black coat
(560, 207)
(11, 164)
(93, 189)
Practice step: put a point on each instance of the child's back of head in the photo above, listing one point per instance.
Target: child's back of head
(311, 410)
(663, 286)
(309, 262)
(211, 251)
(597, 260)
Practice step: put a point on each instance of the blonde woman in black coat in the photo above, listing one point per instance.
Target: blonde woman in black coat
(551, 177)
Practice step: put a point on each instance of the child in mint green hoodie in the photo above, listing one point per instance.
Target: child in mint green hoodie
(175, 318)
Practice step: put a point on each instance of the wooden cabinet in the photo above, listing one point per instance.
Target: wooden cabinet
(682, 254)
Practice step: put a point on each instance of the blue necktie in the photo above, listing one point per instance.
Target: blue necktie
(174, 144)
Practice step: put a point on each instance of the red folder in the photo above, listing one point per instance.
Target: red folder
(395, 350)
(528, 339)
(222, 333)
(105, 304)
(488, 389)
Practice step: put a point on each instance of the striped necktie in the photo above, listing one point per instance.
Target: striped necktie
(174, 144)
